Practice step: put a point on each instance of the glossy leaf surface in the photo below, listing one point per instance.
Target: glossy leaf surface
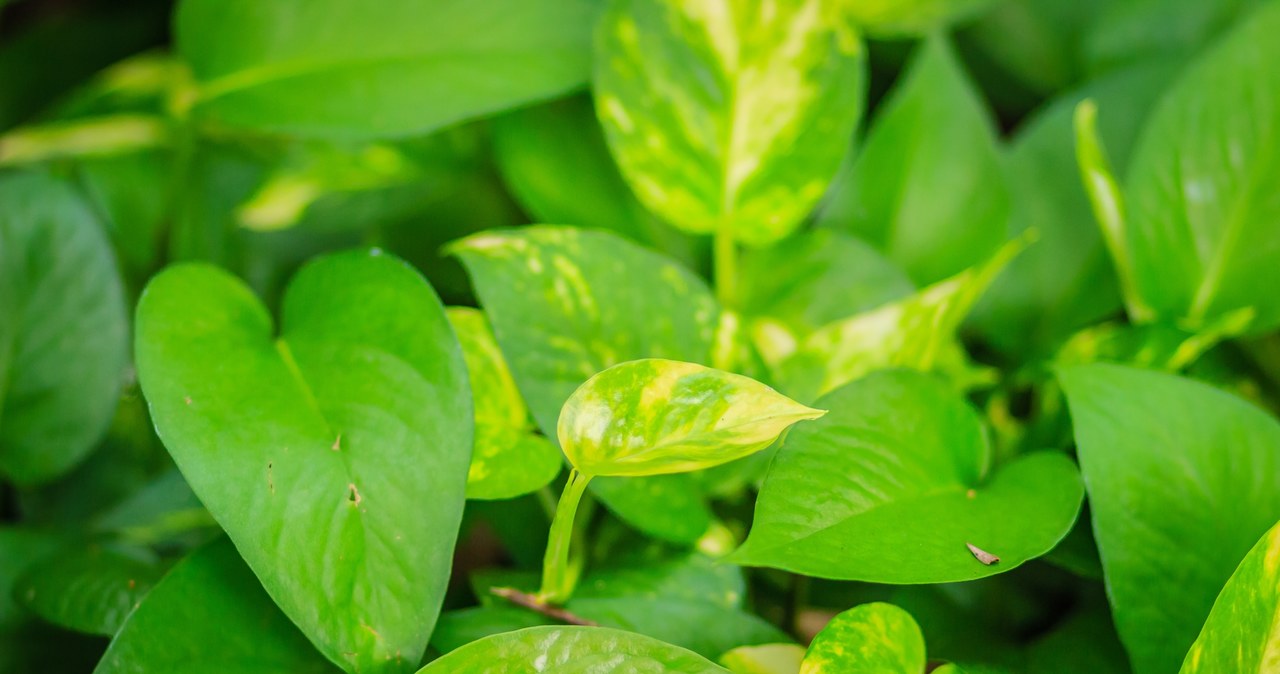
(868, 638)
(895, 483)
(310, 441)
(572, 650)
(1167, 461)
(728, 114)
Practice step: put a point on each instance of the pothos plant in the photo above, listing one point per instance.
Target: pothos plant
(982, 380)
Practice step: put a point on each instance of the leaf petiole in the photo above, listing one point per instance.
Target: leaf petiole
(559, 576)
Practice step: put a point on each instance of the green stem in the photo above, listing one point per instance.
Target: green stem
(725, 258)
(558, 575)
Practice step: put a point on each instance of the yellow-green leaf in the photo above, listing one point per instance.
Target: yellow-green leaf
(879, 638)
(764, 659)
(728, 113)
(508, 459)
(655, 416)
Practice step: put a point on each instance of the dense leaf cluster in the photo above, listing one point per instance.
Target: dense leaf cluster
(593, 336)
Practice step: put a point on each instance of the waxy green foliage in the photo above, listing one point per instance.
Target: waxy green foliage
(896, 483)
(1241, 633)
(1198, 230)
(1168, 462)
(728, 115)
(89, 589)
(360, 71)
(210, 593)
(940, 207)
(654, 416)
(63, 331)
(868, 638)
(567, 303)
(572, 650)
(508, 459)
(309, 442)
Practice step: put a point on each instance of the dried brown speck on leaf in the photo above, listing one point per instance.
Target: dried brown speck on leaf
(353, 494)
(982, 555)
(337, 443)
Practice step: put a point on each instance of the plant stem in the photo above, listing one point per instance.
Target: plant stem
(558, 575)
(534, 604)
(725, 258)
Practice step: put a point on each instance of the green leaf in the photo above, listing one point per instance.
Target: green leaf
(807, 281)
(1202, 212)
(765, 659)
(916, 332)
(1133, 31)
(1065, 281)
(555, 160)
(572, 650)
(567, 303)
(897, 18)
(927, 189)
(508, 459)
(867, 638)
(88, 589)
(64, 332)
(728, 116)
(706, 629)
(895, 484)
(1167, 462)
(1240, 634)
(211, 592)
(352, 413)
(394, 69)
(654, 416)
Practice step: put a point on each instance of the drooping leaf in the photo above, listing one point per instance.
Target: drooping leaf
(572, 650)
(927, 188)
(732, 114)
(88, 589)
(810, 280)
(655, 416)
(765, 659)
(1200, 231)
(1167, 462)
(1241, 633)
(917, 332)
(210, 592)
(393, 69)
(867, 638)
(352, 413)
(895, 485)
(508, 459)
(1065, 281)
(567, 303)
(555, 160)
(64, 332)
(896, 18)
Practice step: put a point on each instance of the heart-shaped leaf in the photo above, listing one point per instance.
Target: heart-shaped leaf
(210, 592)
(655, 416)
(895, 485)
(875, 637)
(567, 303)
(941, 207)
(1167, 462)
(1240, 634)
(1200, 237)
(572, 650)
(508, 458)
(732, 115)
(391, 69)
(309, 445)
(64, 333)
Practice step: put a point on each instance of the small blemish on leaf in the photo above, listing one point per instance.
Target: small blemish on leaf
(337, 443)
(132, 584)
(187, 400)
(353, 494)
(971, 494)
(982, 555)
(271, 482)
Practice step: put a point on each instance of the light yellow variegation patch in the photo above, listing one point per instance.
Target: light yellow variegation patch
(729, 112)
(654, 416)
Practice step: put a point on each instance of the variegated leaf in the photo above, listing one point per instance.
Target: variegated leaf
(764, 659)
(878, 637)
(654, 416)
(729, 113)
(508, 459)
